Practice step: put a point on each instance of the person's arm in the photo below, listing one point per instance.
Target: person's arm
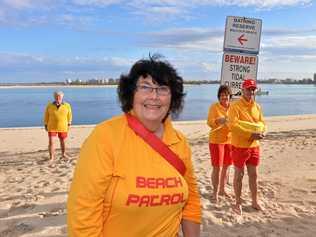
(233, 118)
(190, 228)
(46, 115)
(191, 214)
(261, 135)
(69, 117)
(213, 119)
(261, 119)
(92, 176)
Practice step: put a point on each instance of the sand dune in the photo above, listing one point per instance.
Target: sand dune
(33, 195)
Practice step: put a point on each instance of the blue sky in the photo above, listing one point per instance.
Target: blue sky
(51, 40)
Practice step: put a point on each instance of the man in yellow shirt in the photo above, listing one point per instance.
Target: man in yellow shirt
(245, 143)
(57, 119)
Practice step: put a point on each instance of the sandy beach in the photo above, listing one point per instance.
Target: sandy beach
(33, 195)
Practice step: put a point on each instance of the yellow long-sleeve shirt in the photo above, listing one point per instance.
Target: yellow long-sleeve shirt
(222, 135)
(245, 111)
(56, 118)
(122, 187)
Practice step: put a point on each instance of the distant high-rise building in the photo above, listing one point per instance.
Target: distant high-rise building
(314, 77)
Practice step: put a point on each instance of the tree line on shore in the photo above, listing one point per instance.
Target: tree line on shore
(188, 82)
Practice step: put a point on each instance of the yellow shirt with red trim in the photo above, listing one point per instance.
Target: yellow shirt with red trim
(222, 135)
(245, 111)
(122, 187)
(56, 118)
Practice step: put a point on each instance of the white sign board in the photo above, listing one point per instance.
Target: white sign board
(242, 34)
(236, 67)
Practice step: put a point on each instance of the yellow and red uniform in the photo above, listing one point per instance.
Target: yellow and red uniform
(57, 118)
(219, 138)
(122, 187)
(244, 111)
(244, 149)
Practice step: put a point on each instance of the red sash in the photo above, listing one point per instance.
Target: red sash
(152, 140)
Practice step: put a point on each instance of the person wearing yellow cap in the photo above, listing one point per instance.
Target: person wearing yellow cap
(219, 141)
(247, 128)
(57, 120)
(134, 176)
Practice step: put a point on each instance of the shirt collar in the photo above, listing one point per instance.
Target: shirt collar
(56, 103)
(170, 135)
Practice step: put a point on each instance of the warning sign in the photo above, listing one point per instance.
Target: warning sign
(236, 67)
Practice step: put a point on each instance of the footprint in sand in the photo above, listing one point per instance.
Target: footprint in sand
(43, 183)
(17, 229)
(54, 189)
(303, 191)
(312, 203)
(18, 190)
(16, 209)
(62, 175)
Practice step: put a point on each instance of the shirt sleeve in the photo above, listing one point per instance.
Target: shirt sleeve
(69, 116)
(233, 118)
(192, 209)
(261, 118)
(91, 179)
(46, 115)
(211, 117)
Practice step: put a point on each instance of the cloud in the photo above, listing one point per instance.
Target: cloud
(291, 41)
(26, 4)
(152, 10)
(185, 8)
(261, 3)
(10, 62)
(100, 3)
(185, 38)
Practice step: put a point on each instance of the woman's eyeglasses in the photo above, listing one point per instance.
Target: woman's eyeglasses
(161, 90)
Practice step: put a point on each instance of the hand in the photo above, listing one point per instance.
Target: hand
(46, 128)
(221, 120)
(256, 136)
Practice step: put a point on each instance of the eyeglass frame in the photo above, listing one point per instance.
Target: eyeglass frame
(146, 89)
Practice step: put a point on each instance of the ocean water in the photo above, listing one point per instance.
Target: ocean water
(23, 107)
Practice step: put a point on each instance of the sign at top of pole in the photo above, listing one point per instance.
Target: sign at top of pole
(242, 34)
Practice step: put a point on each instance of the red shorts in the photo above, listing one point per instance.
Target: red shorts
(248, 156)
(61, 135)
(220, 154)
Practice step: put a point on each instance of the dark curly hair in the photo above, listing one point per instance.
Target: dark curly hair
(224, 89)
(162, 72)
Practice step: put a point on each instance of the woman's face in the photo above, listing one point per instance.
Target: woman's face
(151, 101)
(224, 99)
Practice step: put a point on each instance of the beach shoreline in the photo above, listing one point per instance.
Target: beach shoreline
(35, 138)
(33, 195)
(55, 86)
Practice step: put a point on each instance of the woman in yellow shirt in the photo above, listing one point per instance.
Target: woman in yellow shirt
(123, 184)
(219, 141)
